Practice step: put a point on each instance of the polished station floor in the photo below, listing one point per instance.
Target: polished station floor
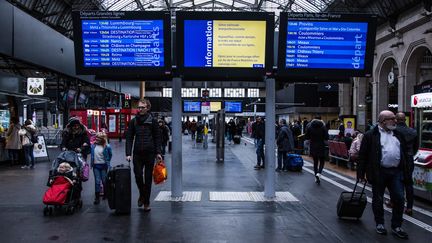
(222, 203)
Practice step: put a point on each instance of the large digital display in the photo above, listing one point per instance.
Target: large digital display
(313, 44)
(192, 106)
(225, 45)
(233, 106)
(122, 44)
(215, 106)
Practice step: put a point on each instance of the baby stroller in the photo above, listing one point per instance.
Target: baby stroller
(64, 188)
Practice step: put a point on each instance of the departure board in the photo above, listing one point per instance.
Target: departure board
(123, 43)
(191, 106)
(233, 106)
(313, 44)
(326, 47)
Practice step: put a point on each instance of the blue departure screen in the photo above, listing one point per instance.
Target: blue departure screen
(331, 45)
(233, 106)
(123, 43)
(192, 106)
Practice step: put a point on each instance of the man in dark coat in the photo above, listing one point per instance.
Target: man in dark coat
(412, 145)
(285, 144)
(382, 158)
(318, 136)
(164, 129)
(75, 138)
(144, 129)
(259, 135)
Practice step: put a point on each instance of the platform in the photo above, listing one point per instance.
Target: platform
(222, 203)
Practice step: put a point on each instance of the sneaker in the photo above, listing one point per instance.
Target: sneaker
(380, 229)
(399, 232)
(24, 167)
(278, 170)
(262, 167)
(409, 211)
(317, 179)
(147, 208)
(257, 167)
(140, 202)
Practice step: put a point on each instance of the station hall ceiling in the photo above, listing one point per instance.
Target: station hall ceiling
(57, 13)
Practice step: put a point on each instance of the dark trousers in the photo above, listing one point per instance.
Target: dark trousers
(391, 178)
(260, 151)
(282, 158)
(321, 160)
(144, 162)
(28, 155)
(409, 190)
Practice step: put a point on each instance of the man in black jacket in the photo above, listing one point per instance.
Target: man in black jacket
(259, 135)
(145, 130)
(412, 145)
(382, 158)
(285, 144)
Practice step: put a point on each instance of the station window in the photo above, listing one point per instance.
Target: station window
(189, 92)
(167, 92)
(253, 93)
(234, 93)
(215, 92)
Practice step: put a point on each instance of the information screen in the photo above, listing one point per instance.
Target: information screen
(122, 44)
(312, 44)
(215, 106)
(224, 43)
(191, 106)
(233, 106)
(224, 46)
(323, 44)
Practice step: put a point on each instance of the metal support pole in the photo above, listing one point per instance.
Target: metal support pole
(270, 158)
(176, 160)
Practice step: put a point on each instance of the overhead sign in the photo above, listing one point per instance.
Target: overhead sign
(328, 87)
(421, 100)
(35, 86)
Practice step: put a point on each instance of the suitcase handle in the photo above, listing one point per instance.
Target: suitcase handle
(354, 190)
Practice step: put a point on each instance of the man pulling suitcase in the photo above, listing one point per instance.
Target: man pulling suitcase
(144, 129)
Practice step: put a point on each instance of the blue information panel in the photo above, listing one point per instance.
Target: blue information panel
(233, 106)
(123, 43)
(191, 106)
(330, 45)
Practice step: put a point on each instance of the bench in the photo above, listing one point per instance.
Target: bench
(339, 152)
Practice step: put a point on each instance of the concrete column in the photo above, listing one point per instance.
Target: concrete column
(359, 103)
(345, 99)
(176, 160)
(142, 89)
(270, 157)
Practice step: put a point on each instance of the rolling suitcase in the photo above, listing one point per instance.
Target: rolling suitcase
(118, 189)
(352, 204)
(236, 139)
(295, 162)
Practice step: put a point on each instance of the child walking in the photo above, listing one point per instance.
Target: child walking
(101, 154)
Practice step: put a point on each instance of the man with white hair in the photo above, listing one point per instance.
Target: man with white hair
(382, 158)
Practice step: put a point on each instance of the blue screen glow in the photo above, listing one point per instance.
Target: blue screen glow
(192, 106)
(123, 43)
(233, 106)
(331, 45)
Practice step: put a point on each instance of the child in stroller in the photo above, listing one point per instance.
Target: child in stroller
(65, 185)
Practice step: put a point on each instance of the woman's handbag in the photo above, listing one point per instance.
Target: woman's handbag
(160, 173)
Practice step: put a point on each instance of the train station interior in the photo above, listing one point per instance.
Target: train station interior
(210, 74)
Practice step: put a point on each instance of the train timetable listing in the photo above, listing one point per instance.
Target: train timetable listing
(123, 43)
(333, 45)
